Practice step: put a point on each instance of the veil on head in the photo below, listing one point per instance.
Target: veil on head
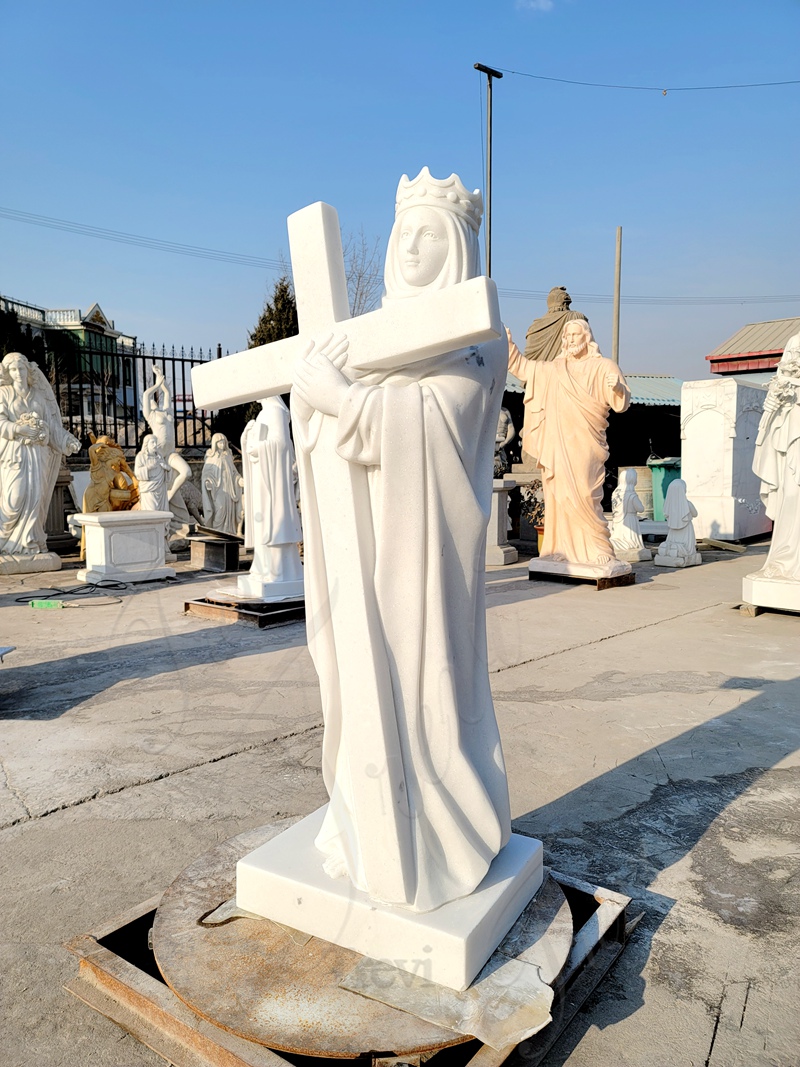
(459, 211)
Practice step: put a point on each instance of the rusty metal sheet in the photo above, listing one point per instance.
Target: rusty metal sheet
(251, 978)
(511, 997)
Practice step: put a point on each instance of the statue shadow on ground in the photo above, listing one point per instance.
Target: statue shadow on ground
(659, 806)
(51, 689)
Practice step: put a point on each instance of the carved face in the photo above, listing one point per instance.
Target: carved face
(18, 373)
(423, 245)
(575, 341)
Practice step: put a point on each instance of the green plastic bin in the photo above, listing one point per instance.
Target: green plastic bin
(664, 471)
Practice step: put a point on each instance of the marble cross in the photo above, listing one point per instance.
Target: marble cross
(403, 332)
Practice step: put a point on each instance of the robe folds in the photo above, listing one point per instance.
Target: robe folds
(566, 418)
(777, 464)
(28, 470)
(396, 495)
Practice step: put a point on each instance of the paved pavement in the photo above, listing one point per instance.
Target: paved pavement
(651, 735)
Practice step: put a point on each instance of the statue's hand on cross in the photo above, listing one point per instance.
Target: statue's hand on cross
(319, 384)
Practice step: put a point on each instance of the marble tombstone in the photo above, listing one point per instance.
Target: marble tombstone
(719, 426)
(395, 415)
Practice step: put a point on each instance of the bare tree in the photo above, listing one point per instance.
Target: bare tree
(364, 268)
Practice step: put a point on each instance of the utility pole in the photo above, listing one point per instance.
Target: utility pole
(617, 279)
(490, 73)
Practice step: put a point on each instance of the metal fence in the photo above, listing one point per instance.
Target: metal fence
(100, 391)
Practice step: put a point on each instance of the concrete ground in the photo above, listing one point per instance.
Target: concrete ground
(651, 735)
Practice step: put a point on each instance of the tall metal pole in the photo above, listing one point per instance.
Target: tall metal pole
(617, 279)
(490, 73)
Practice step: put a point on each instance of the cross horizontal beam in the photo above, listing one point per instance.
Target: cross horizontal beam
(400, 333)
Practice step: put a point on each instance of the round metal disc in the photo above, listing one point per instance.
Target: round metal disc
(269, 985)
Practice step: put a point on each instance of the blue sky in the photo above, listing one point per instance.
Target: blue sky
(207, 123)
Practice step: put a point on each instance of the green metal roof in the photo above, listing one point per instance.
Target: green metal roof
(652, 390)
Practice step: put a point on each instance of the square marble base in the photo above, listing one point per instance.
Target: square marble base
(283, 880)
(501, 555)
(677, 561)
(252, 585)
(633, 555)
(545, 565)
(771, 592)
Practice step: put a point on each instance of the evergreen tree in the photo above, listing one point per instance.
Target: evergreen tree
(277, 321)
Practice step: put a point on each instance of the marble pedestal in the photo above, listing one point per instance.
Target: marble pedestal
(498, 551)
(775, 593)
(284, 880)
(253, 585)
(124, 546)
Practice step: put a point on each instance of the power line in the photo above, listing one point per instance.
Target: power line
(274, 264)
(658, 301)
(139, 241)
(650, 88)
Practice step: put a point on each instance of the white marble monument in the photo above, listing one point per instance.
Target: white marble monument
(153, 474)
(680, 547)
(395, 423)
(271, 519)
(222, 488)
(719, 425)
(777, 466)
(626, 507)
(32, 443)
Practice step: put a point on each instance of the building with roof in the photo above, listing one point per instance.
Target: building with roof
(754, 349)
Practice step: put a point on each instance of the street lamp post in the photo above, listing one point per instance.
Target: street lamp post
(490, 73)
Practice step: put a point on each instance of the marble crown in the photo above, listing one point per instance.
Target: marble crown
(447, 193)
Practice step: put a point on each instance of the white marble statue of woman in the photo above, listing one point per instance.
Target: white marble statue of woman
(626, 507)
(680, 547)
(158, 413)
(222, 491)
(777, 464)
(153, 474)
(271, 519)
(32, 442)
(415, 447)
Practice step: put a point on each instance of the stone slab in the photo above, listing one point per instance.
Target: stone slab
(250, 585)
(117, 574)
(771, 593)
(19, 564)
(284, 880)
(568, 569)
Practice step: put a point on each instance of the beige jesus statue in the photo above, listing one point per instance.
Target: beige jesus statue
(566, 416)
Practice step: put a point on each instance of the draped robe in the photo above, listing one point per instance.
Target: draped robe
(414, 447)
(777, 464)
(28, 471)
(566, 418)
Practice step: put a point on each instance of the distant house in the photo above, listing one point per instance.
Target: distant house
(754, 350)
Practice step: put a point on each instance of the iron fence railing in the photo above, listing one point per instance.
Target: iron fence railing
(100, 391)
